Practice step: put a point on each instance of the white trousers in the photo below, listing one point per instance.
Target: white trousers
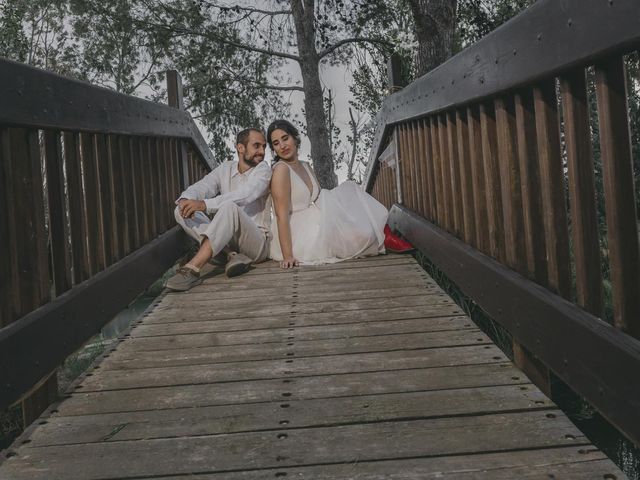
(231, 227)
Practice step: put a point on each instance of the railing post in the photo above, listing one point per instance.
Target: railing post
(394, 71)
(176, 99)
(396, 144)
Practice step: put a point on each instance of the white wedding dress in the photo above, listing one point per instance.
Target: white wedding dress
(329, 226)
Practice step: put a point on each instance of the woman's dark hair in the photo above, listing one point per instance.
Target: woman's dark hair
(287, 127)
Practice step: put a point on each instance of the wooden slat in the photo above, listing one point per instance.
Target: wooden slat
(417, 170)
(582, 191)
(255, 370)
(445, 164)
(381, 187)
(566, 463)
(619, 193)
(385, 440)
(76, 207)
(152, 352)
(434, 145)
(58, 231)
(141, 187)
(477, 172)
(6, 304)
(492, 182)
(510, 184)
(319, 386)
(169, 194)
(125, 196)
(313, 412)
(409, 173)
(553, 197)
(427, 170)
(192, 170)
(466, 178)
(402, 164)
(118, 218)
(93, 212)
(158, 164)
(456, 194)
(176, 188)
(151, 167)
(105, 172)
(534, 237)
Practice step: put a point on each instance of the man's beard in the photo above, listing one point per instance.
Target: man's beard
(251, 161)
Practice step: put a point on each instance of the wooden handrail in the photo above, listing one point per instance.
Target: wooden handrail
(32, 97)
(479, 174)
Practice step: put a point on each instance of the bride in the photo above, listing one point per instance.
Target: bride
(315, 226)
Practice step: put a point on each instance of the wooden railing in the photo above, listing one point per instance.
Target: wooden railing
(88, 178)
(483, 145)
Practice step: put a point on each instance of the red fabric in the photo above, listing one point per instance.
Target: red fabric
(393, 243)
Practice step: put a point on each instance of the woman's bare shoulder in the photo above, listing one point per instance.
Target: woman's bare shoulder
(280, 168)
(280, 173)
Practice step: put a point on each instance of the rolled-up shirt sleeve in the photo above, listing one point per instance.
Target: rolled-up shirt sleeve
(255, 187)
(208, 186)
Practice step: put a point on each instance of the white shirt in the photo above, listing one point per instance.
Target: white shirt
(248, 190)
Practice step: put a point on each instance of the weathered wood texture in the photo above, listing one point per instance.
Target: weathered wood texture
(267, 376)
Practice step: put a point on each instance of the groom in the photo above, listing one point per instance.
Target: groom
(236, 193)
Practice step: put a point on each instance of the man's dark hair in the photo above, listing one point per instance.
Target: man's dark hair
(243, 136)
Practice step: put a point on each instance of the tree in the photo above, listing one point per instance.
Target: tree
(110, 48)
(305, 33)
(425, 33)
(434, 27)
(34, 32)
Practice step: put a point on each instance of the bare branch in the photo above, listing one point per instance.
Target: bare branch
(250, 10)
(296, 88)
(339, 44)
(226, 41)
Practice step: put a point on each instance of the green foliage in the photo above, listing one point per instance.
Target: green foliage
(110, 47)
(477, 18)
(34, 32)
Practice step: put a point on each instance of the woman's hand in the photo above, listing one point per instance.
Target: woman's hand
(289, 262)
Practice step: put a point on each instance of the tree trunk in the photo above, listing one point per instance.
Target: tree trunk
(435, 24)
(303, 16)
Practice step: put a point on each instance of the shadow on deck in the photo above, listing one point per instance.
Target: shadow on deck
(363, 369)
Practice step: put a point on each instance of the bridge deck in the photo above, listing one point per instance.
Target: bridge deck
(360, 370)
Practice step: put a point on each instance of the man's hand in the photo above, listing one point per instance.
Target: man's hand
(189, 207)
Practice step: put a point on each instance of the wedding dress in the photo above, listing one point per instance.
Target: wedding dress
(329, 226)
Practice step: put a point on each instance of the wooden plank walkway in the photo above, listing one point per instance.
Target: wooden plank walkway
(359, 370)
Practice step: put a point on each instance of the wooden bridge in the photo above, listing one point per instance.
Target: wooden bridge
(364, 369)
(359, 370)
